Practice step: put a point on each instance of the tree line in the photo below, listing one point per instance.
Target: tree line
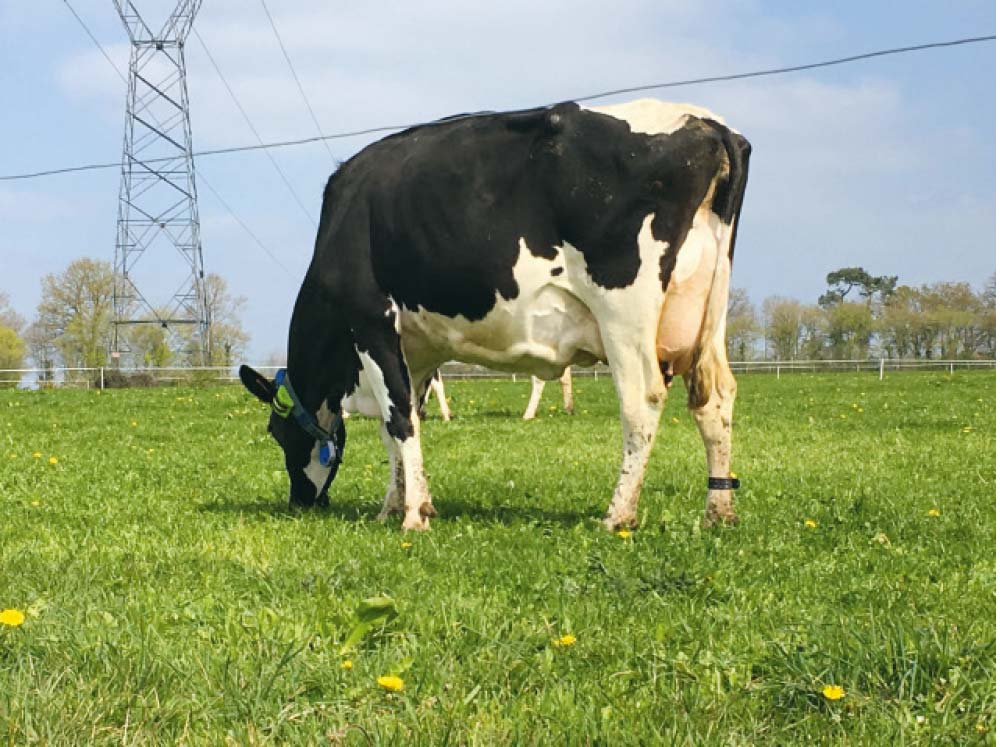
(859, 316)
(74, 326)
(864, 316)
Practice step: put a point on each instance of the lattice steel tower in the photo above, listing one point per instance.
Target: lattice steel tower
(158, 200)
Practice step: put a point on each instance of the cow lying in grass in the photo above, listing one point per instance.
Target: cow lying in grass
(524, 241)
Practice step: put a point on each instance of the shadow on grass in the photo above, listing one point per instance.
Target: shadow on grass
(449, 509)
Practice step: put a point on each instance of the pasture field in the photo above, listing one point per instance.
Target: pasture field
(171, 597)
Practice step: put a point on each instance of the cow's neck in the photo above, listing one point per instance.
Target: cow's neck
(308, 366)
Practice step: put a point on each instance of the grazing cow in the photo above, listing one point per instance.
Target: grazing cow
(524, 241)
(538, 386)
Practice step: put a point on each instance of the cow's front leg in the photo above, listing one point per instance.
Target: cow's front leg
(380, 352)
(641, 395)
(395, 491)
(715, 422)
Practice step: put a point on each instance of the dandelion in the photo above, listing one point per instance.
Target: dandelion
(810, 523)
(980, 728)
(37, 455)
(36, 504)
(833, 692)
(624, 534)
(13, 456)
(675, 420)
(134, 424)
(11, 617)
(406, 545)
(347, 664)
(53, 460)
(390, 682)
(933, 512)
(564, 641)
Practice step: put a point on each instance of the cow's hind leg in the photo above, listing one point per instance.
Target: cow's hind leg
(715, 421)
(641, 395)
(566, 382)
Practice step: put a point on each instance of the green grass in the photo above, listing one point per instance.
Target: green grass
(172, 598)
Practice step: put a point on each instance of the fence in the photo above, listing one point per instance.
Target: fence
(103, 378)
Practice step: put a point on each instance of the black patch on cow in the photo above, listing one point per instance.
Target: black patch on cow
(556, 271)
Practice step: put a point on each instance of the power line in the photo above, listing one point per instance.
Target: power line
(96, 43)
(298, 82)
(246, 117)
(201, 176)
(246, 228)
(604, 94)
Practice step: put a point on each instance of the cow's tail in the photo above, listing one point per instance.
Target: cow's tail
(710, 362)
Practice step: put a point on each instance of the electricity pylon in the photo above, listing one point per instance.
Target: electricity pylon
(158, 199)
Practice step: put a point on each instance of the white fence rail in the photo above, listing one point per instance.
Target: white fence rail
(104, 378)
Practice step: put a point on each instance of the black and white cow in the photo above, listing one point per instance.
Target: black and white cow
(523, 241)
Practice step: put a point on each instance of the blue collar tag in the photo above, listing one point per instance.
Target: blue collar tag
(326, 451)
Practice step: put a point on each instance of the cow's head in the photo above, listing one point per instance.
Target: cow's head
(311, 461)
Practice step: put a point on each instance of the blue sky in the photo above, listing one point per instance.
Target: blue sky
(889, 164)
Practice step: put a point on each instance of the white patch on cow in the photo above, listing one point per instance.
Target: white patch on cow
(377, 386)
(315, 471)
(652, 117)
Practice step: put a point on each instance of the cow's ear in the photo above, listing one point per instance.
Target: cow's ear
(257, 384)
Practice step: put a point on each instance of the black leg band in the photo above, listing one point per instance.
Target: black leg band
(723, 483)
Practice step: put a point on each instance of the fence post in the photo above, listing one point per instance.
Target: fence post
(102, 378)
(778, 371)
(951, 369)
(881, 368)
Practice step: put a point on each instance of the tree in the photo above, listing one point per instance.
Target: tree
(782, 326)
(227, 339)
(8, 317)
(742, 328)
(850, 330)
(149, 343)
(846, 279)
(75, 312)
(12, 347)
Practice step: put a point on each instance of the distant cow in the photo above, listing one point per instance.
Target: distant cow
(538, 386)
(524, 241)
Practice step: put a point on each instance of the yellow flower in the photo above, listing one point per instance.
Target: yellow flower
(406, 545)
(810, 523)
(624, 534)
(675, 420)
(390, 682)
(348, 664)
(134, 424)
(933, 512)
(13, 618)
(981, 728)
(13, 456)
(833, 692)
(36, 504)
(37, 455)
(53, 460)
(567, 640)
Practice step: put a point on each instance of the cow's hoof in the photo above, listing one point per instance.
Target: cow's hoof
(388, 511)
(416, 523)
(323, 501)
(614, 523)
(719, 518)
